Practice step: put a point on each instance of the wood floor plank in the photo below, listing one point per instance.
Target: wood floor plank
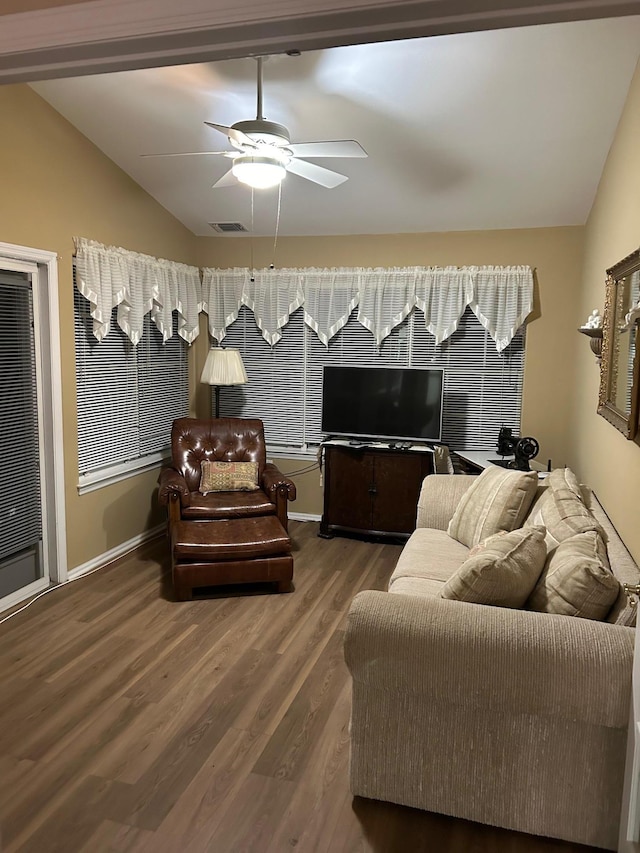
(266, 707)
(111, 837)
(319, 796)
(182, 757)
(288, 750)
(260, 799)
(133, 753)
(213, 790)
(71, 825)
(133, 723)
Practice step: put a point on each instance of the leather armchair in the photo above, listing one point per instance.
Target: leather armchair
(228, 440)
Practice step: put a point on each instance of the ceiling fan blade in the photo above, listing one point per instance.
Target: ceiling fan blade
(227, 180)
(338, 148)
(317, 174)
(237, 135)
(186, 153)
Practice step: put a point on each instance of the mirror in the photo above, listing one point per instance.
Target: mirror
(619, 381)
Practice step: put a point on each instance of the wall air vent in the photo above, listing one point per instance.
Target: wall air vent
(228, 227)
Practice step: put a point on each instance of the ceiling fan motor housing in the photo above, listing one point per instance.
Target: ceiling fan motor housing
(261, 130)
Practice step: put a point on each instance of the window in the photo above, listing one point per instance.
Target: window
(127, 397)
(483, 389)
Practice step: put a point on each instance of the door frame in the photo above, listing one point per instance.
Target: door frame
(98, 36)
(45, 293)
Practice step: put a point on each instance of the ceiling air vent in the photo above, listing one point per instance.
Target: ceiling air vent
(227, 227)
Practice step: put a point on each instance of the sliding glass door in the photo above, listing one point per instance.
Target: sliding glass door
(22, 565)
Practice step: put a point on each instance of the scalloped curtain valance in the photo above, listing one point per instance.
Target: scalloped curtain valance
(500, 297)
(111, 277)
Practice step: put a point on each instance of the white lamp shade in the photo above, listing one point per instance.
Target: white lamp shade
(224, 367)
(259, 172)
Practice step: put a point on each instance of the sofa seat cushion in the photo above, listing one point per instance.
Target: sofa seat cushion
(416, 586)
(497, 501)
(228, 505)
(501, 571)
(577, 579)
(430, 555)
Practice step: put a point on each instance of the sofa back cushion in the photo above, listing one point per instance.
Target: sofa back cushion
(501, 571)
(561, 509)
(623, 566)
(577, 579)
(497, 502)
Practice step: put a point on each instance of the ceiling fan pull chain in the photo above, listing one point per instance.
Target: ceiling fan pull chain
(251, 240)
(275, 237)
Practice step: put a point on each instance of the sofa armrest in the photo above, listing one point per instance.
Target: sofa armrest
(274, 481)
(171, 482)
(280, 490)
(471, 655)
(439, 497)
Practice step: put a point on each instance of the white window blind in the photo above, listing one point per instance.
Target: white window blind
(127, 397)
(20, 508)
(483, 389)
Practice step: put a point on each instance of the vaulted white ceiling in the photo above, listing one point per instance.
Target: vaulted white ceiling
(497, 129)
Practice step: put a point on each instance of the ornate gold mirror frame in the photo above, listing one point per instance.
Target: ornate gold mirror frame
(619, 398)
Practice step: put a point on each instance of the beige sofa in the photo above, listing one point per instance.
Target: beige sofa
(508, 717)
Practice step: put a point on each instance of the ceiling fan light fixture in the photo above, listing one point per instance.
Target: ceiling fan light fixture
(259, 172)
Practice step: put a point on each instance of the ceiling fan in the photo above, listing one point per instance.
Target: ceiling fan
(263, 152)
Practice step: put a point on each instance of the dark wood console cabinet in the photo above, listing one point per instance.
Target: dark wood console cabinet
(371, 490)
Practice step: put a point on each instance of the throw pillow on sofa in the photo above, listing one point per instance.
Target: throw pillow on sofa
(501, 571)
(497, 501)
(577, 579)
(561, 510)
(228, 477)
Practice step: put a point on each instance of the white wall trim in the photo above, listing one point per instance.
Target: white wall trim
(116, 552)
(115, 473)
(304, 516)
(111, 35)
(47, 263)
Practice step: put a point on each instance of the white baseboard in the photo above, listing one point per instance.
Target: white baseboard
(304, 516)
(114, 553)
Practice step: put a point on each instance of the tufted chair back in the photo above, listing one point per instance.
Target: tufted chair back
(216, 439)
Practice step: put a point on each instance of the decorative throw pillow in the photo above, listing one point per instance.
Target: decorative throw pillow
(498, 500)
(228, 477)
(500, 571)
(577, 579)
(561, 509)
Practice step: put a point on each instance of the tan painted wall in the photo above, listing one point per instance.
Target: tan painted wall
(601, 455)
(60, 186)
(555, 253)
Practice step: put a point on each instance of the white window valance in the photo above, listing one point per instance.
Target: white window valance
(500, 297)
(137, 284)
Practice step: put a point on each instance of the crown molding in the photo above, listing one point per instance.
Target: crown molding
(113, 35)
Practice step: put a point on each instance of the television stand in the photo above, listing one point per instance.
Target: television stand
(372, 489)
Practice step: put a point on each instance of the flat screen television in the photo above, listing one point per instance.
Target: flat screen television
(383, 402)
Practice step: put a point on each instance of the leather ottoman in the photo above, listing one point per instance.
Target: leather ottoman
(230, 551)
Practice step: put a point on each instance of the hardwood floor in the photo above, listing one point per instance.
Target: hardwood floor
(133, 723)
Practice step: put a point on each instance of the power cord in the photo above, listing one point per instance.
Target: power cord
(312, 467)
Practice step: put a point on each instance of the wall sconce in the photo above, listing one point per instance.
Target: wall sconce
(593, 329)
(223, 367)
